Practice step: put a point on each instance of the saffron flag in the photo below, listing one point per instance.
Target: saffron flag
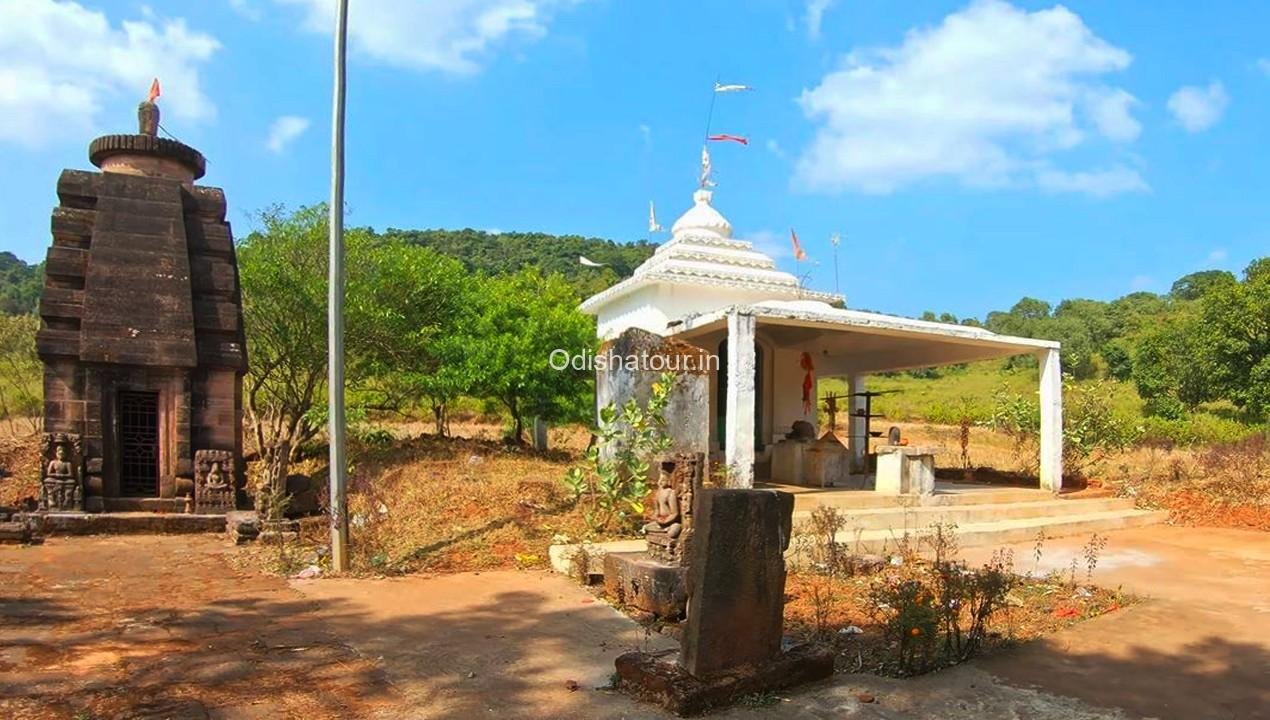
(729, 138)
(154, 90)
(731, 88)
(798, 248)
(652, 219)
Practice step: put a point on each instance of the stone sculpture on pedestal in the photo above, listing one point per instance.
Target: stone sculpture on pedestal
(655, 581)
(61, 481)
(731, 643)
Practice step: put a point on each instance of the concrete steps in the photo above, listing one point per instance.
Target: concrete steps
(867, 500)
(877, 524)
(1004, 532)
(923, 516)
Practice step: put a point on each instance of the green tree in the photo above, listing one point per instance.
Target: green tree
(1234, 328)
(21, 388)
(523, 317)
(20, 285)
(1197, 284)
(400, 300)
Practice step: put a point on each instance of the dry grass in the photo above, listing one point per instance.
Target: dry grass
(455, 504)
(19, 471)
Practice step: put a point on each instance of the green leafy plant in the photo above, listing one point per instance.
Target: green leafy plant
(612, 481)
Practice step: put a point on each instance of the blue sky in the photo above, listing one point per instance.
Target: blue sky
(968, 153)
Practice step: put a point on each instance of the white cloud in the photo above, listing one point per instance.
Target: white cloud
(452, 36)
(1216, 256)
(646, 133)
(246, 9)
(815, 15)
(1098, 183)
(284, 130)
(1141, 282)
(987, 97)
(1263, 64)
(1198, 108)
(775, 148)
(61, 63)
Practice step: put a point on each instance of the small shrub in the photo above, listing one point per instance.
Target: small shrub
(612, 482)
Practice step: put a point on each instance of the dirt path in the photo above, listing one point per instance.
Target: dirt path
(165, 627)
(1199, 647)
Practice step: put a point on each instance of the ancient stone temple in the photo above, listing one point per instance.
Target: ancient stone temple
(141, 333)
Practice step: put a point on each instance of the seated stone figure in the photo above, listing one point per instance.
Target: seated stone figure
(671, 528)
(60, 486)
(666, 515)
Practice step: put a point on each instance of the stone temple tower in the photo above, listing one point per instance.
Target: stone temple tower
(141, 334)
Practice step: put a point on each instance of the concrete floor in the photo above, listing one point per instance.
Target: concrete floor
(124, 625)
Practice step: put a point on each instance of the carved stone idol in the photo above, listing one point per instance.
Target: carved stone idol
(678, 480)
(61, 481)
(213, 482)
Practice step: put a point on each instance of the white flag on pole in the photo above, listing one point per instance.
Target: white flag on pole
(719, 88)
(653, 227)
(584, 260)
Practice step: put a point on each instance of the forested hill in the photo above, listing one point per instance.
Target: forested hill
(19, 285)
(500, 253)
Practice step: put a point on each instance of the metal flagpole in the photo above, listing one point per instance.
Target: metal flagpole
(335, 308)
(835, 240)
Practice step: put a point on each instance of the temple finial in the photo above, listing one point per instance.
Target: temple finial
(148, 112)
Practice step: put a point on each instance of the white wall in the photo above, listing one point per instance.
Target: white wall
(787, 392)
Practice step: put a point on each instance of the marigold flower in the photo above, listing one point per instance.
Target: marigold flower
(915, 632)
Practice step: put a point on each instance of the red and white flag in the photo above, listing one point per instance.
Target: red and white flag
(798, 248)
(729, 138)
(154, 90)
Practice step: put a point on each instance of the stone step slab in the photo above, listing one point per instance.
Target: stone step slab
(922, 517)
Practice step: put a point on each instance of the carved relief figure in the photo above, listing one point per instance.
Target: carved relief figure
(666, 514)
(671, 528)
(61, 488)
(213, 482)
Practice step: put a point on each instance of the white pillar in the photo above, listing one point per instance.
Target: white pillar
(1051, 420)
(740, 400)
(855, 424)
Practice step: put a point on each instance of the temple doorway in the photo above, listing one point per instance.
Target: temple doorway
(138, 443)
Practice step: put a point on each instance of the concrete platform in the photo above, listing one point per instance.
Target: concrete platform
(123, 523)
(983, 515)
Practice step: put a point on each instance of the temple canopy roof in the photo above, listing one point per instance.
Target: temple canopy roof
(701, 252)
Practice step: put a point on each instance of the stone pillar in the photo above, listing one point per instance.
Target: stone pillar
(856, 424)
(1051, 420)
(740, 400)
(736, 580)
(541, 443)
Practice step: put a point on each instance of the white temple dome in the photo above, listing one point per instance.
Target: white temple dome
(702, 218)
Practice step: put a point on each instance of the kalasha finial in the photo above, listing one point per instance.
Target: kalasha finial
(148, 112)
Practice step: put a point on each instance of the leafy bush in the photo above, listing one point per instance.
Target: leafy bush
(1092, 429)
(612, 482)
(942, 616)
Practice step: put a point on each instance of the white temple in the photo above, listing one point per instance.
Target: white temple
(720, 294)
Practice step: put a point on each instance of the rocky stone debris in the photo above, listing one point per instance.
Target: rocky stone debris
(242, 526)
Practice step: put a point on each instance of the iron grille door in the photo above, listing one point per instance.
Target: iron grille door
(139, 443)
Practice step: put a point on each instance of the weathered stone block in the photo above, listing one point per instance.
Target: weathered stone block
(634, 580)
(736, 579)
(659, 679)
